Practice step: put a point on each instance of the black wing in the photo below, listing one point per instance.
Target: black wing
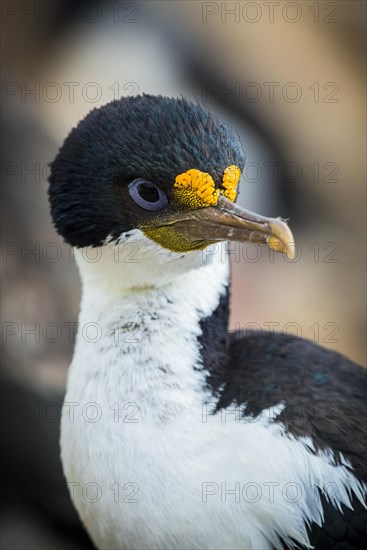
(323, 393)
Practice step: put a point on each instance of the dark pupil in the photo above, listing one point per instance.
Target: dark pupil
(148, 192)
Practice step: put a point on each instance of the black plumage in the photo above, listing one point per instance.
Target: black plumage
(323, 394)
(149, 137)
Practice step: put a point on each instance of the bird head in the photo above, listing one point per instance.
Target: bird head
(164, 167)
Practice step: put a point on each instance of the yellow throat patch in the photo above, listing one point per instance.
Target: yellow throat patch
(197, 189)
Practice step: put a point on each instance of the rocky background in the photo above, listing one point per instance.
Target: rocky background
(290, 76)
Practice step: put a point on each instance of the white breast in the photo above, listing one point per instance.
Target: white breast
(148, 464)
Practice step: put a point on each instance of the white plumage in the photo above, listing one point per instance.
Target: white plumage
(146, 464)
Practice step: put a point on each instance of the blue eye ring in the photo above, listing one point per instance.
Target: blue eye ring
(147, 195)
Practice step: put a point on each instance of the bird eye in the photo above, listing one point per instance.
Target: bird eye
(147, 195)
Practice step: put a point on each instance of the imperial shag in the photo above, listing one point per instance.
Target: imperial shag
(175, 436)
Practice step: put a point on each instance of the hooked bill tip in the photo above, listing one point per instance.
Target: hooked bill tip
(282, 239)
(291, 251)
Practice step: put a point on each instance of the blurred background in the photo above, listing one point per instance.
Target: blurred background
(289, 76)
